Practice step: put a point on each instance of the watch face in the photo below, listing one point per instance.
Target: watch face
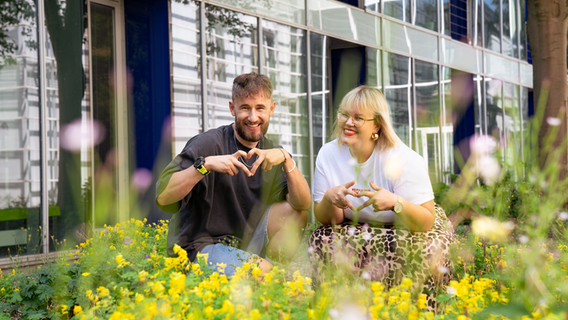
(398, 207)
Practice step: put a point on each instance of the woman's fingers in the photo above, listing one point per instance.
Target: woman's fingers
(374, 186)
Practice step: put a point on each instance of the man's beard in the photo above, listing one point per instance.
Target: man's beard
(248, 137)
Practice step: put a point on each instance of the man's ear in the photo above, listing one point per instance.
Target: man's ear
(232, 108)
(272, 107)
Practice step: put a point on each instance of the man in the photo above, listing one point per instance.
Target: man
(222, 200)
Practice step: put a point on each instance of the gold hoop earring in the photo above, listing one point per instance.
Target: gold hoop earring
(375, 136)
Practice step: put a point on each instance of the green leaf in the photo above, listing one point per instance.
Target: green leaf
(511, 311)
(444, 297)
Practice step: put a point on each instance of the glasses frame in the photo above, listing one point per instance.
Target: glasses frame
(355, 119)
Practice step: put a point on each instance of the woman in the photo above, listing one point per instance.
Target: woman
(366, 182)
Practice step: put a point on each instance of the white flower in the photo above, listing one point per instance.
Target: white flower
(452, 290)
(489, 228)
(488, 168)
(553, 121)
(367, 236)
(366, 276)
(443, 269)
(482, 145)
(333, 313)
(81, 133)
(563, 215)
(351, 231)
(523, 239)
(311, 249)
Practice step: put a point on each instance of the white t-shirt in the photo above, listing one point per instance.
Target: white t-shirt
(399, 170)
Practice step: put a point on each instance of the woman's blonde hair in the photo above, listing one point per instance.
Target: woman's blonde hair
(372, 100)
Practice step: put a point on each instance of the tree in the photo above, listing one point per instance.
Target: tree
(547, 29)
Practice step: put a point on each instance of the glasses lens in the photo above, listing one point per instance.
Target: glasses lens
(342, 116)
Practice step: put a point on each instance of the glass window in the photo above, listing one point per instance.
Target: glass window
(373, 68)
(186, 73)
(425, 13)
(398, 86)
(478, 22)
(399, 9)
(285, 64)
(291, 10)
(232, 49)
(428, 142)
(522, 16)
(322, 118)
(494, 108)
(479, 111)
(512, 122)
(373, 5)
(526, 125)
(446, 18)
(510, 35)
(20, 179)
(492, 25)
(447, 142)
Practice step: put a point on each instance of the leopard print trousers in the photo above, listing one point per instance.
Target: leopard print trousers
(387, 254)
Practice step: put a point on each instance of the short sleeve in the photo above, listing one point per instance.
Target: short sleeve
(321, 183)
(414, 183)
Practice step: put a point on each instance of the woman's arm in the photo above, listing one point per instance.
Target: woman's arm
(416, 218)
(330, 209)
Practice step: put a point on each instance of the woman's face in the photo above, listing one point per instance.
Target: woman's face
(357, 129)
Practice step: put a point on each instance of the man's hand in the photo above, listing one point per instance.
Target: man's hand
(338, 195)
(267, 158)
(228, 164)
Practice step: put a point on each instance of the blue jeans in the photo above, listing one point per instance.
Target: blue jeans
(234, 258)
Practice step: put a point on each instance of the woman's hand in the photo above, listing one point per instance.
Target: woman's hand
(381, 200)
(338, 195)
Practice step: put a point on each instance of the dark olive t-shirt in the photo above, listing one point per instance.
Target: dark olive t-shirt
(220, 208)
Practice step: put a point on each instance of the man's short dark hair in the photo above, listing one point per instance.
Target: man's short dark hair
(251, 84)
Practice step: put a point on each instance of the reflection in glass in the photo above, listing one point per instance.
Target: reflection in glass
(291, 10)
(512, 122)
(373, 68)
(447, 125)
(510, 38)
(20, 187)
(425, 13)
(321, 108)
(446, 18)
(492, 25)
(478, 22)
(527, 148)
(397, 91)
(522, 15)
(399, 9)
(373, 5)
(232, 49)
(428, 116)
(186, 73)
(285, 63)
(494, 108)
(479, 112)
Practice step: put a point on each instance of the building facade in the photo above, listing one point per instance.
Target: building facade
(97, 96)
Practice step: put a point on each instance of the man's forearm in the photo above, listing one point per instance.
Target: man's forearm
(298, 190)
(181, 183)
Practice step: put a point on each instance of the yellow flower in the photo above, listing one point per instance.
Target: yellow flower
(142, 275)
(255, 314)
(63, 309)
(138, 297)
(77, 310)
(121, 261)
(103, 292)
(85, 274)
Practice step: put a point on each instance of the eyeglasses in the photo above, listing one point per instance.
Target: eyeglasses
(357, 121)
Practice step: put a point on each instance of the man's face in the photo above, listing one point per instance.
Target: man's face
(252, 115)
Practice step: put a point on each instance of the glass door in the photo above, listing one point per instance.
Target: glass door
(108, 101)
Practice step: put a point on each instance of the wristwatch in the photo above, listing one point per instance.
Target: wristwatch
(200, 166)
(398, 206)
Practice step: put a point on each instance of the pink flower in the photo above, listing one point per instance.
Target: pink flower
(141, 179)
(127, 241)
(81, 133)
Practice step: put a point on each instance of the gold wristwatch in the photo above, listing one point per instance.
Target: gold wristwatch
(398, 206)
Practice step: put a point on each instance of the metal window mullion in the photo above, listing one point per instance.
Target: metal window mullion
(501, 25)
(310, 111)
(43, 126)
(260, 47)
(482, 24)
(441, 119)
(203, 61)
(413, 103)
